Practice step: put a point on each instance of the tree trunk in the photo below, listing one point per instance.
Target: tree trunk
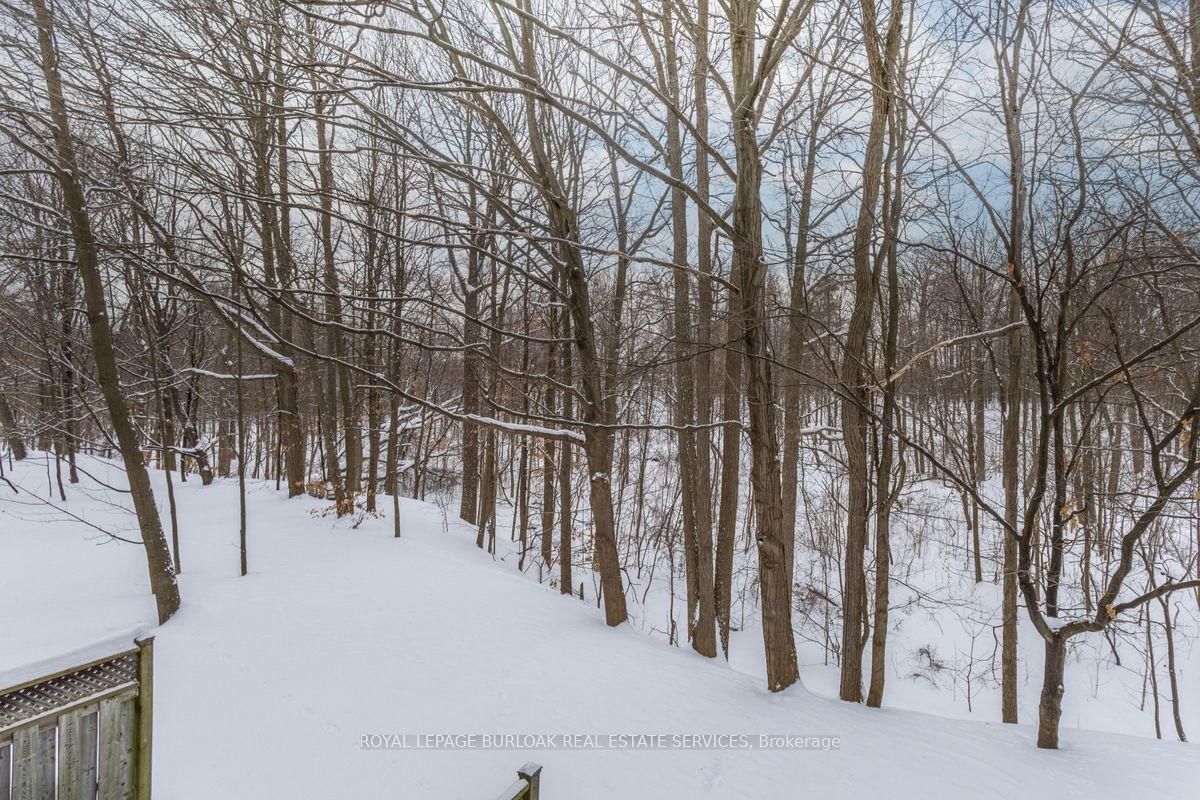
(731, 454)
(393, 462)
(158, 556)
(1011, 479)
(797, 325)
(290, 427)
(339, 387)
(1050, 705)
(749, 272)
(1172, 677)
(1011, 434)
(565, 517)
(883, 475)
(856, 400)
(11, 434)
(468, 507)
(695, 495)
(598, 408)
(67, 376)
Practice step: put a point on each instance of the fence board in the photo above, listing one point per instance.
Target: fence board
(24, 775)
(145, 717)
(82, 733)
(527, 786)
(46, 766)
(89, 745)
(69, 784)
(118, 732)
(5, 766)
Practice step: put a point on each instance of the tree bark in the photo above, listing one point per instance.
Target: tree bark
(598, 407)
(339, 386)
(883, 475)
(158, 556)
(1011, 478)
(856, 400)
(748, 273)
(694, 492)
(11, 434)
(1050, 705)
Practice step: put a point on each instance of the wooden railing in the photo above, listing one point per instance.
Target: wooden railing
(527, 784)
(81, 733)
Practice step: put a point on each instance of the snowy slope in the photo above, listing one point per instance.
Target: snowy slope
(267, 683)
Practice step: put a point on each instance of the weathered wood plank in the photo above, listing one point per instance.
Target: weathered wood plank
(5, 768)
(145, 716)
(517, 790)
(531, 773)
(67, 744)
(89, 751)
(69, 784)
(46, 762)
(117, 745)
(527, 786)
(24, 772)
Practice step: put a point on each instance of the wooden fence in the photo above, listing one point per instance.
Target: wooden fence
(82, 733)
(527, 786)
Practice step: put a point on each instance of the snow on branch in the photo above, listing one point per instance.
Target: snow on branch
(231, 312)
(519, 428)
(227, 377)
(912, 362)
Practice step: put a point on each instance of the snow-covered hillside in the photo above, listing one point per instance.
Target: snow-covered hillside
(267, 684)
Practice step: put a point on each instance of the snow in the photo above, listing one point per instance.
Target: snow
(536, 430)
(228, 377)
(267, 684)
(232, 313)
(95, 651)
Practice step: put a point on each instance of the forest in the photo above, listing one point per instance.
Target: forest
(784, 318)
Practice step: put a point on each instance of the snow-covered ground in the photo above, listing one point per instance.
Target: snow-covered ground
(267, 684)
